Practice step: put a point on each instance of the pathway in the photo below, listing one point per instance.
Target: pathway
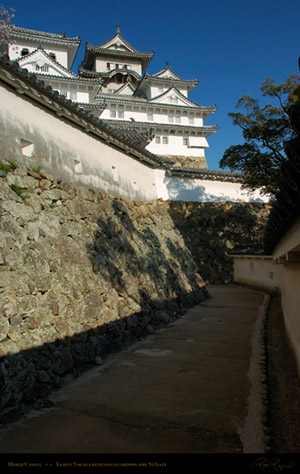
(185, 389)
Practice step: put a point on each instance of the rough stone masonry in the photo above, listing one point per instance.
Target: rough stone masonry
(82, 274)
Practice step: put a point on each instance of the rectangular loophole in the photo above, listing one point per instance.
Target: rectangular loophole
(115, 173)
(77, 167)
(27, 148)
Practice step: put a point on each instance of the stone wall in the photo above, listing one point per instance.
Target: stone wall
(82, 274)
(211, 229)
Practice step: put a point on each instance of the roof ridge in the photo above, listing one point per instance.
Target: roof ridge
(45, 33)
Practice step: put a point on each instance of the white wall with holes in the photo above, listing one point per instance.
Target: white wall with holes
(30, 134)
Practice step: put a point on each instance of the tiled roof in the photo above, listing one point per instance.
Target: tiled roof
(18, 31)
(205, 110)
(136, 136)
(204, 131)
(118, 52)
(248, 249)
(213, 175)
(92, 51)
(154, 79)
(111, 73)
(120, 38)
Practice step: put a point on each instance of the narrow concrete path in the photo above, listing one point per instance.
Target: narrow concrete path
(186, 389)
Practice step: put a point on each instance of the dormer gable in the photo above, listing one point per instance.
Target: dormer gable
(118, 43)
(168, 73)
(126, 89)
(173, 97)
(42, 63)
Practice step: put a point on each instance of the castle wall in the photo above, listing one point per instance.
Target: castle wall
(68, 152)
(183, 188)
(35, 135)
(82, 274)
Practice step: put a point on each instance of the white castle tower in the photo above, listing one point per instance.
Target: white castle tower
(112, 83)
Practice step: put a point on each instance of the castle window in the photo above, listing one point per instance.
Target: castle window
(157, 139)
(150, 116)
(108, 66)
(24, 52)
(165, 140)
(185, 141)
(120, 114)
(113, 113)
(171, 118)
(191, 120)
(53, 56)
(43, 68)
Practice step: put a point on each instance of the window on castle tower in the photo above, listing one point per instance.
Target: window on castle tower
(165, 140)
(24, 52)
(157, 139)
(150, 116)
(108, 66)
(43, 68)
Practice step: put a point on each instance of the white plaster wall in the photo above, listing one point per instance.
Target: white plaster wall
(73, 155)
(59, 147)
(290, 284)
(186, 189)
(290, 297)
(175, 146)
(258, 272)
(140, 114)
(101, 64)
(81, 92)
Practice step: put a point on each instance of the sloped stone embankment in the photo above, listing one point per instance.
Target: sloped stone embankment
(82, 274)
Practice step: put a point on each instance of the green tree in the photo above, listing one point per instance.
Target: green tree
(265, 129)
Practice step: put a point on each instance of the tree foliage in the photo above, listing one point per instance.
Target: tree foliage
(265, 129)
(5, 26)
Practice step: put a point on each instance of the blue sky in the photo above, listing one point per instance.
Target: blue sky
(230, 46)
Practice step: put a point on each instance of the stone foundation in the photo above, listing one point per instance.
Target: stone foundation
(82, 274)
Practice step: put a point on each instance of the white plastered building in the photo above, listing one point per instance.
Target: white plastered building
(112, 83)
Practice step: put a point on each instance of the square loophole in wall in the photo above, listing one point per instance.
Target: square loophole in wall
(27, 148)
(77, 167)
(115, 173)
